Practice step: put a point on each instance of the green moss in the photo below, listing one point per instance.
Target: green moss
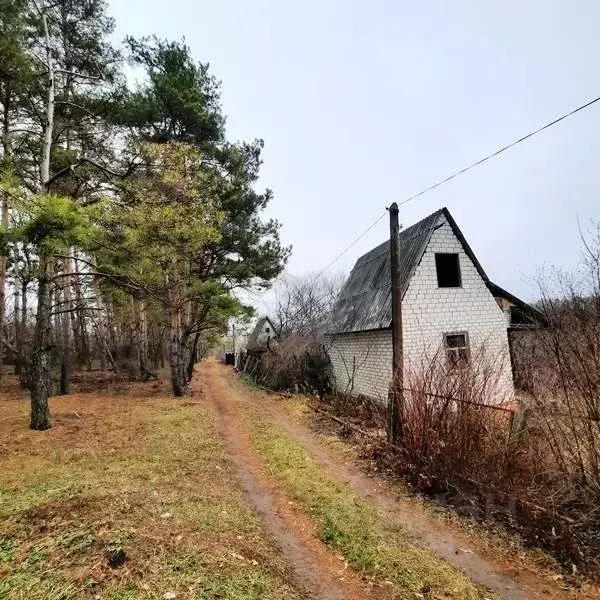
(76, 542)
(8, 549)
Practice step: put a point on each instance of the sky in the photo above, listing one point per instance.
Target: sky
(361, 104)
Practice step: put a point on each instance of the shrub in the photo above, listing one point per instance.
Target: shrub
(296, 364)
(456, 426)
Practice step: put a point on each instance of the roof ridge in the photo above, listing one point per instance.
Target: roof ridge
(365, 300)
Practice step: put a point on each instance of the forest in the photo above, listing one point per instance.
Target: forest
(129, 221)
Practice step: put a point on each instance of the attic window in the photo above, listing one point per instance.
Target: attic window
(447, 268)
(267, 330)
(457, 350)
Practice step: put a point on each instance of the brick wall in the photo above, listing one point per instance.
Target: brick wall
(427, 313)
(362, 363)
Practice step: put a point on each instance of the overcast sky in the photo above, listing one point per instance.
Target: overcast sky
(363, 103)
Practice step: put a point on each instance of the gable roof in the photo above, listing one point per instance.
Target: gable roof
(253, 338)
(365, 301)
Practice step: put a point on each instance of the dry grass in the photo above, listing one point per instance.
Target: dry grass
(139, 477)
(491, 539)
(369, 543)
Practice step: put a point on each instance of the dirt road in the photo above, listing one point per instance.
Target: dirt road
(316, 568)
(318, 573)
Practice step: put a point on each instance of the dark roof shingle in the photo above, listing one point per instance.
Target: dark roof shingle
(365, 301)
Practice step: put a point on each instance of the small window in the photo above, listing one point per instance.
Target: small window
(457, 350)
(267, 330)
(448, 270)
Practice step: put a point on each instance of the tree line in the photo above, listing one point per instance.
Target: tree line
(129, 220)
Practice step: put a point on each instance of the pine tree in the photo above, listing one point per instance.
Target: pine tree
(70, 37)
(157, 233)
(15, 75)
(137, 192)
(180, 103)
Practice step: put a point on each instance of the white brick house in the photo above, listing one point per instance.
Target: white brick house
(449, 306)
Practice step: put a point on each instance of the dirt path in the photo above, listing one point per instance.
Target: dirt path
(443, 542)
(317, 573)
(312, 563)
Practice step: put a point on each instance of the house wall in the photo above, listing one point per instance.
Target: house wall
(362, 363)
(427, 313)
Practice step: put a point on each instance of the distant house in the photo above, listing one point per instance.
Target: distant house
(262, 336)
(449, 306)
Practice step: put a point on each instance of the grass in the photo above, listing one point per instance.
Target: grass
(248, 381)
(352, 527)
(139, 477)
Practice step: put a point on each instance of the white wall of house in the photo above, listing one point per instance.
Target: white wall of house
(362, 361)
(429, 312)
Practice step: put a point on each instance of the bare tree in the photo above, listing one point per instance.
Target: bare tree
(564, 361)
(302, 309)
(303, 305)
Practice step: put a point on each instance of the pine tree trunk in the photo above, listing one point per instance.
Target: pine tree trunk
(39, 372)
(176, 346)
(21, 365)
(39, 368)
(193, 357)
(177, 355)
(64, 377)
(3, 261)
(141, 339)
(102, 337)
(143, 335)
(17, 312)
(70, 324)
(6, 156)
(65, 355)
(79, 315)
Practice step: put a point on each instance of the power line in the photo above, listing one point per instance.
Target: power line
(362, 235)
(464, 170)
(501, 150)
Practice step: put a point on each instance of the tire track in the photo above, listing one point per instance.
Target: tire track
(316, 572)
(440, 540)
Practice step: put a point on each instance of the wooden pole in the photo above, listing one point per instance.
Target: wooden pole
(396, 397)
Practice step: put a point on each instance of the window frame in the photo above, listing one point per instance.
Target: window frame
(459, 270)
(456, 364)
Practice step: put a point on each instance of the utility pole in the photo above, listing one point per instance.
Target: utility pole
(396, 395)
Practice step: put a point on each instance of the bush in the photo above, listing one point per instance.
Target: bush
(456, 428)
(516, 464)
(296, 364)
